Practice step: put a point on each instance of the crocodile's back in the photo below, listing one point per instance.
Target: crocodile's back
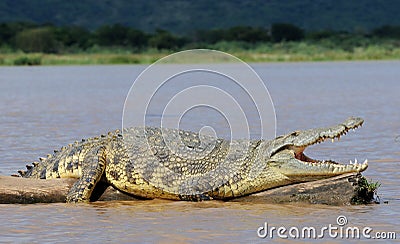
(169, 163)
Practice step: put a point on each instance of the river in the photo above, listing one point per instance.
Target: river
(43, 108)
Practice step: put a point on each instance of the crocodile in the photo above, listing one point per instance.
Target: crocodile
(149, 162)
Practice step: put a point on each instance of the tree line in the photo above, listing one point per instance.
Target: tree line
(48, 38)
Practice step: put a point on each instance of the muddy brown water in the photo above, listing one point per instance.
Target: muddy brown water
(43, 108)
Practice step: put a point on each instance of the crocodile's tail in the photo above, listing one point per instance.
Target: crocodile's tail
(39, 168)
(63, 163)
(66, 162)
(29, 170)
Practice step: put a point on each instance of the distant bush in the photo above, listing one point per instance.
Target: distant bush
(387, 31)
(164, 40)
(73, 36)
(8, 31)
(37, 40)
(119, 35)
(246, 34)
(319, 35)
(286, 32)
(231, 46)
(123, 60)
(237, 33)
(113, 35)
(24, 60)
(208, 36)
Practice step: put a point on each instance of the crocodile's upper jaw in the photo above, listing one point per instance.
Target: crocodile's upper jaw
(291, 161)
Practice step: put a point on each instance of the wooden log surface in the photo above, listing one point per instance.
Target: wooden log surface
(338, 190)
(27, 190)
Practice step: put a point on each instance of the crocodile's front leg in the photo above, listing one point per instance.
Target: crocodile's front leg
(90, 186)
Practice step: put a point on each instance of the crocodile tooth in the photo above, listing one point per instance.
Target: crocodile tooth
(49, 155)
(55, 151)
(103, 135)
(355, 161)
(41, 159)
(351, 162)
(333, 140)
(35, 164)
(83, 140)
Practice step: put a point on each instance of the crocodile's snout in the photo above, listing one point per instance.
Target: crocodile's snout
(296, 163)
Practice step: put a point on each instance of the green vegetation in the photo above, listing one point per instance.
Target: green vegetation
(28, 60)
(366, 192)
(30, 44)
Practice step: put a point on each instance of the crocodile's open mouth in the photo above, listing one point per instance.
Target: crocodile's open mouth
(313, 137)
(299, 154)
(332, 135)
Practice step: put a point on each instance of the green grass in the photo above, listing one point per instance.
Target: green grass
(365, 192)
(77, 59)
(28, 60)
(262, 52)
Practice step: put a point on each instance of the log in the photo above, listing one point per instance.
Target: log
(339, 190)
(27, 190)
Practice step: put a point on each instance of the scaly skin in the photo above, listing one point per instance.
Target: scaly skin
(174, 164)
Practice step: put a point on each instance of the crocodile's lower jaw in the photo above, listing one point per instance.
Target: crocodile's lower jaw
(331, 166)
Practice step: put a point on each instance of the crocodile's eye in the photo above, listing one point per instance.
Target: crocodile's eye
(284, 147)
(295, 133)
